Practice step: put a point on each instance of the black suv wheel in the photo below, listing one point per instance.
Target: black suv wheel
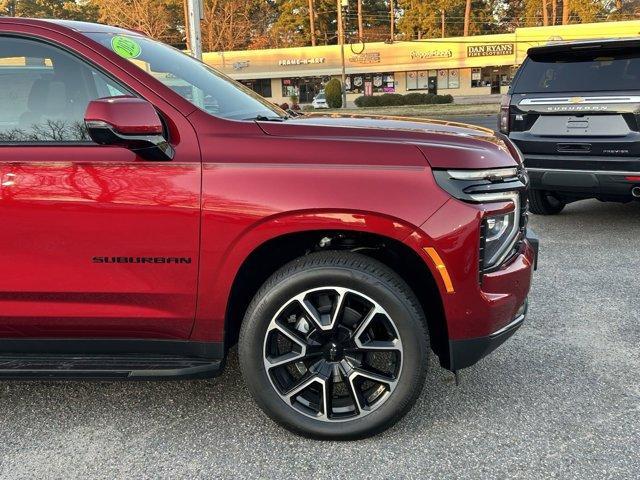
(544, 203)
(334, 345)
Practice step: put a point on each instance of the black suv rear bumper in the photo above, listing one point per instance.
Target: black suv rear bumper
(585, 179)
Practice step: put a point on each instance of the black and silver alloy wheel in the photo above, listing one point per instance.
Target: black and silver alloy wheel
(333, 353)
(334, 345)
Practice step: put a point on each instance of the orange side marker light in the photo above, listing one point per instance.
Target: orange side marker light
(442, 268)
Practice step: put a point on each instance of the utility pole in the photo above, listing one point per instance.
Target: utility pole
(467, 17)
(566, 10)
(442, 21)
(360, 27)
(312, 23)
(341, 3)
(185, 6)
(194, 8)
(392, 18)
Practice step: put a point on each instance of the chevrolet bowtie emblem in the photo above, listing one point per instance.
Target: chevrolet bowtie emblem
(576, 100)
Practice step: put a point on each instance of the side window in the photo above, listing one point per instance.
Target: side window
(44, 92)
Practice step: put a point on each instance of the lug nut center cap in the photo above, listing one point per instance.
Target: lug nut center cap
(333, 352)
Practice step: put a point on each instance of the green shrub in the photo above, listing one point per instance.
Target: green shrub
(392, 99)
(442, 99)
(333, 93)
(368, 101)
(416, 98)
(395, 99)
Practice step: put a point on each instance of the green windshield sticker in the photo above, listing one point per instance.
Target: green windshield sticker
(125, 47)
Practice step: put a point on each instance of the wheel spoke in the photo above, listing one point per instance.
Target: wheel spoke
(310, 311)
(342, 294)
(300, 387)
(325, 397)
(353, 393)
(288, 357)
(373, 376)
(389, 345)
(289, 334)
(365, 324)
(284, 359)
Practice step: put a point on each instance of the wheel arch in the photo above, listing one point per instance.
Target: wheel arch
(271, 254)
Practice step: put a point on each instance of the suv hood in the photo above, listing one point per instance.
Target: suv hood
(444, 144)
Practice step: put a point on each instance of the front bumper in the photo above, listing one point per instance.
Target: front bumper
(478, 306)
(465, 353)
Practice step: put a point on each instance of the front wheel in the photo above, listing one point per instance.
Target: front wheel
(334, 345)
(544, 203)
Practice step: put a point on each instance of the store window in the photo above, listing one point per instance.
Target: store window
(262, 86)
(304, 88)
(492, 76)
(419, 80)
(454, 78)
(290, 88)
(443, 79)
(365, 83)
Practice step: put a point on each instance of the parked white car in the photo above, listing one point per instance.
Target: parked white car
(320, 101)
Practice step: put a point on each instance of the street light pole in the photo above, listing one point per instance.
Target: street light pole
(195, 14)
(392, 18)
(341, 43)
(312, 23)
(360, 26)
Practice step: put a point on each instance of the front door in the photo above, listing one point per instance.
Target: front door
(94, 240)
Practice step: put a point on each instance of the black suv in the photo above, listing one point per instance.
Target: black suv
(574, 111)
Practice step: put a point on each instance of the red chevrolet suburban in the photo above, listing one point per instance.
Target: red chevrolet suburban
(155, 213)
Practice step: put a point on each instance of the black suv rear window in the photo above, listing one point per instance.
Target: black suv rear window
(572, 71)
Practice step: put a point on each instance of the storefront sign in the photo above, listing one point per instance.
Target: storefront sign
(429, 54)
(301, 61)
(366, 58)
(490, 50)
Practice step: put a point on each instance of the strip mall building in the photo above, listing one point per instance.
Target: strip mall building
(458, 66)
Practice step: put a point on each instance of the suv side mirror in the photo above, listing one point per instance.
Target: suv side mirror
(128, 122)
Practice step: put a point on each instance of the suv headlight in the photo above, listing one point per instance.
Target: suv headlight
(499, 232)
(498, 235)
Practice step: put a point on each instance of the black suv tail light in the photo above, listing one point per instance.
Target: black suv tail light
(504, 119)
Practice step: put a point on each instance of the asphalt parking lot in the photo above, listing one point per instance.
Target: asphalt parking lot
(561, 399)
(481, 120)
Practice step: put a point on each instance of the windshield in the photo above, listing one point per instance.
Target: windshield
(195, 81)
(580, 72)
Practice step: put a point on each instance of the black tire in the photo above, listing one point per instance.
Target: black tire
(544, 203)
(362, 279)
